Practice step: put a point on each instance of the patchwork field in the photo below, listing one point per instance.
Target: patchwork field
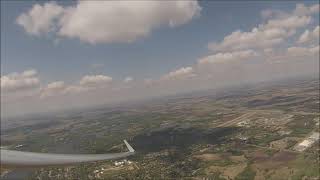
(249, 132)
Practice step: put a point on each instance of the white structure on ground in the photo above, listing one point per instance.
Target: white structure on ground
(307, 142)
(120, 163)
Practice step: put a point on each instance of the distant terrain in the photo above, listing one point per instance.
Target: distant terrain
(260, 131)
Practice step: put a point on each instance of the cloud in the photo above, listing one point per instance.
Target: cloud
(257, 38)
(29, 73)
(108, 21)
(303, 51)
(295, 54)
(302, 10)
(182, 73)
(314, 50)
(266, 52)
(275, 31)
(53, 89)
(20, 81)
(308, 36)
(95, 80)
(149, 81)
(128, 79)
(86, 84)
(290, 23)
(56, 85)
(74, 89)
(40, 19)
(227, 57)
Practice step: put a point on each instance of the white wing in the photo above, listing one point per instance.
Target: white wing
(10, 158)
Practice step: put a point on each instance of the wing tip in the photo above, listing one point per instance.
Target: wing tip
(128, 146)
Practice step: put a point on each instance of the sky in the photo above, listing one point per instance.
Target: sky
(63, 55)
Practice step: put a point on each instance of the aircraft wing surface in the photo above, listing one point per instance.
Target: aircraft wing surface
(11, 158)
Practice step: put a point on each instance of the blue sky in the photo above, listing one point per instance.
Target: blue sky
(163, 50)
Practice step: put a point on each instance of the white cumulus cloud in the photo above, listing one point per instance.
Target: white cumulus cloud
(40, 19)
(20, 81)
(86, 83)
(303, 51)
(310, 36)
(53, 88)
(107, 21)
(95, 80)
(301, 9)
(228, 57)
(278, 28)
(128, 79)
(182, 73)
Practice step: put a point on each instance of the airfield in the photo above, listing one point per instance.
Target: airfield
(260, 131)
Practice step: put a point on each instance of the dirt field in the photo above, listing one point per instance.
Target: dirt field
(228, 172)
(208, 157)
(274, 166)
(283, 143)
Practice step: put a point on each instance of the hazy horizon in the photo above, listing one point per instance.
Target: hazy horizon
(157, 99)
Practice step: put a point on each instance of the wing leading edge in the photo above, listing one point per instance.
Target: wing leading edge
(10, 158)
